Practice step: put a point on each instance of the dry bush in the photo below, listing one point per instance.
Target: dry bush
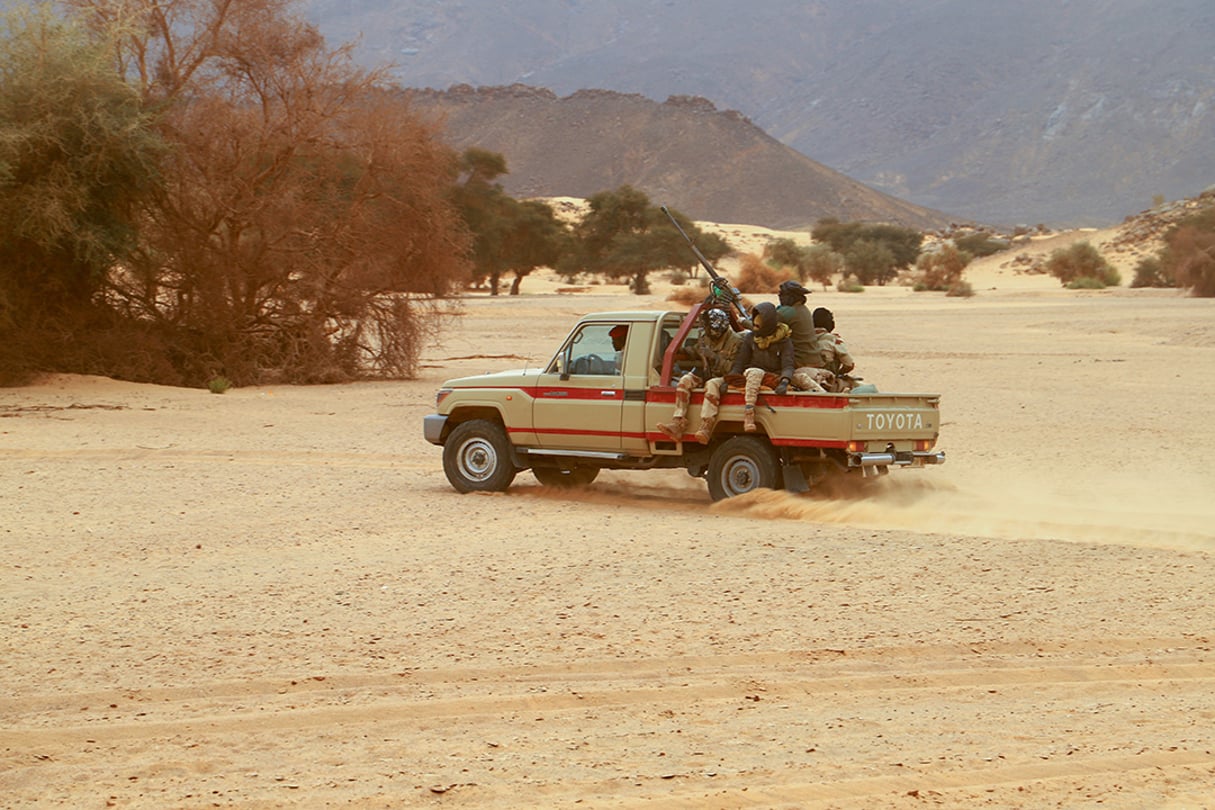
(942, 269)
(755, 276)
(1189, 254)
(687, 295)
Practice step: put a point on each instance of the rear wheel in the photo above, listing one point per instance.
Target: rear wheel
(742, 464)
(476, 457)
(580, 476)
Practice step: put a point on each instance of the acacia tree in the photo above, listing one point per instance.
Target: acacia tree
(508, 235)
(623, 236)
(823, 264)
(304, 219)
(871, 262)
(875, 252)
(535, 237)
(77, 151)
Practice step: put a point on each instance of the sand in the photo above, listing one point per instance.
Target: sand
(273, 598)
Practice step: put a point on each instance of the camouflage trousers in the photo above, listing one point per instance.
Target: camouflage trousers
(683, 395)
(757, 378)
(803, 379)
(808, 378)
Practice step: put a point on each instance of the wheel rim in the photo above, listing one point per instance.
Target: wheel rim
(741, 474)
(477, 459)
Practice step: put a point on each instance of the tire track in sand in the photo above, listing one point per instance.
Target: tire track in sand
(227, 707)
(806, 727)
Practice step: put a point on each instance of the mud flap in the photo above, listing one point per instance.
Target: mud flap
(795, 479)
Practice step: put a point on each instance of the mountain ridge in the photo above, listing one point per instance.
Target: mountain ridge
(710, 164)
(1074, 114)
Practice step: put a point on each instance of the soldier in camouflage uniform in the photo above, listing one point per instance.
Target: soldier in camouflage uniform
(833, 354)
(714, 353)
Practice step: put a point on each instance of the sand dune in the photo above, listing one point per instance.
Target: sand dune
(273, 598)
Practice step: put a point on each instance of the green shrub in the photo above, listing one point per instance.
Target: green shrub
(960, 289)
(1081, 261)
(850, 284)
(218, 384)
(1150, 273)
(980, 244)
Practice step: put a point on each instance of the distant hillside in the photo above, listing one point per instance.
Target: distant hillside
(1071, 113)
(709, 164)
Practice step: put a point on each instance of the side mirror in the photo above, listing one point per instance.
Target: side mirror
(563, 362)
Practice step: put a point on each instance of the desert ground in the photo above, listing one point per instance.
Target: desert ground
(273, 597)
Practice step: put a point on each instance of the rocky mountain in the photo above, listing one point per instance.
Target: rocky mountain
(1073, 113)
(710, 164)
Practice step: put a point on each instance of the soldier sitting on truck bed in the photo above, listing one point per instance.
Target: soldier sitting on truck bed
(808, 369)
(714, 355)
(765, 359)
(832, 353)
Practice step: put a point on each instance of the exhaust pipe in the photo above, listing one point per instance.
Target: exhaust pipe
(897, 459)
(870, 459)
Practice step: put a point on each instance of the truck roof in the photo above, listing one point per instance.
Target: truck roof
(646, 315)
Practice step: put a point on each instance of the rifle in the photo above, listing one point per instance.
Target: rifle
(721, 287)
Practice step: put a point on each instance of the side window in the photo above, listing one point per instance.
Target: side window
(593, 349)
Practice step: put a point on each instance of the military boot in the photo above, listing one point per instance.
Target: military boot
(675, 429)
(706, 429)
(749, 418)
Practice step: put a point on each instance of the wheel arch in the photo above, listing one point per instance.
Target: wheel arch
(490, 413)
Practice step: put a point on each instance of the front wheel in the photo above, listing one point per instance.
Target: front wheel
(742, 464)
(565, 479)
(476, 457)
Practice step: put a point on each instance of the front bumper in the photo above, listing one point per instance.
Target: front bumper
(432, 427)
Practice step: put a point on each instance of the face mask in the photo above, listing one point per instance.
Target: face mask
(719, 322)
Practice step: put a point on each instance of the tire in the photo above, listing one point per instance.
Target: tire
(742, 464)
(476, 457)
(580, 476)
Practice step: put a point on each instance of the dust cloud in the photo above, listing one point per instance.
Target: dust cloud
(935, 503)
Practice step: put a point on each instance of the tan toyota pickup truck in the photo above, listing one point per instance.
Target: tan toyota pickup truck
(593, 407)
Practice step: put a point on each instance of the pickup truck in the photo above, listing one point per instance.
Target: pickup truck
(593, 407)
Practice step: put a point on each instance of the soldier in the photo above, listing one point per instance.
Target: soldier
(618, 334)
(765, 358)
(714, 353)
(808, 374)
(794, 312)
(832, 353)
